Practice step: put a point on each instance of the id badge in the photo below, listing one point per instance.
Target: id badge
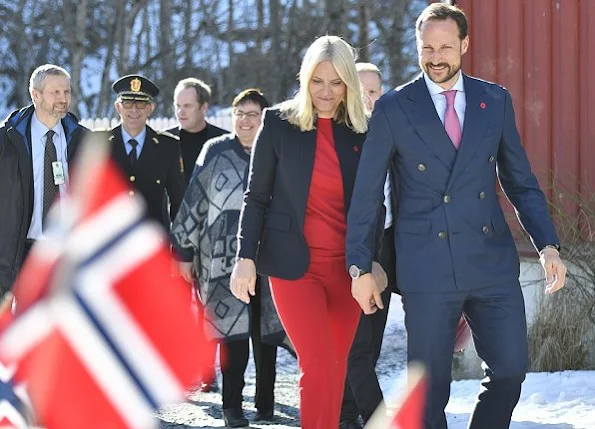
(58, 170)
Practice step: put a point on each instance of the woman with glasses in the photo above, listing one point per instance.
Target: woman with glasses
(292, 226)
(205, 237)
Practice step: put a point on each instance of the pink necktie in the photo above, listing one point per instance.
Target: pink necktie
(451, 120)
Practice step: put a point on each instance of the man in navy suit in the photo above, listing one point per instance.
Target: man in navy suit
(448, 138)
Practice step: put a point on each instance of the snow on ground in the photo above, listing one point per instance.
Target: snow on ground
(564, 400)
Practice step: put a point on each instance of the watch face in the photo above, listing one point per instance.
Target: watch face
(354, 272)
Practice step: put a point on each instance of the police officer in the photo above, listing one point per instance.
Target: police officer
(150, 160)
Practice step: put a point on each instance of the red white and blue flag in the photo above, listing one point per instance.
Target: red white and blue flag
(410, 413)
(14, 407)
(103, 334)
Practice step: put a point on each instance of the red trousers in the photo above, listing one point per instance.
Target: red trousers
(320, 317)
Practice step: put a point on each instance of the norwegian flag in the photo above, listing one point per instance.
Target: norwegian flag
(13, 401)
(409, 415)
(103, 334)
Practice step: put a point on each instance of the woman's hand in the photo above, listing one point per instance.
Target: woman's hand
(243, 280)
(186, 271)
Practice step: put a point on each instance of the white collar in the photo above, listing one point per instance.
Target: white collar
(436, 89)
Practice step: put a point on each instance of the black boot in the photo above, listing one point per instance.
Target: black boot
(234, 418)
(264, 416)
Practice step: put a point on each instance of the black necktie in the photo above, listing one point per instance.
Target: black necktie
(132, 155)
(50, 189)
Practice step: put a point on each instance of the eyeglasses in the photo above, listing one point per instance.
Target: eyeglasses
(140, 105)
(250, 115)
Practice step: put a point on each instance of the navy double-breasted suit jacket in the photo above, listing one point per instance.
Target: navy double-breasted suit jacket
(450, 231)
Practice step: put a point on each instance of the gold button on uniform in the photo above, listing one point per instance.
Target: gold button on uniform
(131, 193)
(482, 195)
(485, 229)
(132, 178)
(442, 235)
(421, 167)
(446, 199)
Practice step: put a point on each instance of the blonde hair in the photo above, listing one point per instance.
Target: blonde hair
(299, 110)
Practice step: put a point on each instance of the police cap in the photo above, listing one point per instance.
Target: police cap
(135, 87)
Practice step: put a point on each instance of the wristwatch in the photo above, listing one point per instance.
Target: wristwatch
(555, 247)
(356, 272)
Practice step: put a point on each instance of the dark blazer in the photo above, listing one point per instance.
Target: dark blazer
(158, 170)
(272, 218)
(450, 231)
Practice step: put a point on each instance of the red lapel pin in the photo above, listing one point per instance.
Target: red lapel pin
(482, 105)
(355, 149)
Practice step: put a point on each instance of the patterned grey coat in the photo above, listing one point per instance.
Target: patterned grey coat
(204, 231)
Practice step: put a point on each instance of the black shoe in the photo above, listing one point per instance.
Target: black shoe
(264, 416)
(349, 424)
(211, 387)
(234, 418)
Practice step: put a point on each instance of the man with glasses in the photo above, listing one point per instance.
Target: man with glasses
(150, 160)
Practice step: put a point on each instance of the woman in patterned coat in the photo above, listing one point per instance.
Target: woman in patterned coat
(204, 233)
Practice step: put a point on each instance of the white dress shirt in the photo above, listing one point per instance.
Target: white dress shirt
(38, 140)
(388, 220)
(439, 99)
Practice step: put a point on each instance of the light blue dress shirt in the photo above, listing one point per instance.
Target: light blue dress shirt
(140, 139)
(439, 99)
(38, 140)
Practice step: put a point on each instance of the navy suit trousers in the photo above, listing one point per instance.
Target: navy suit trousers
(496, 315)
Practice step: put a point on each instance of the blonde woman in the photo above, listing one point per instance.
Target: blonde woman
(293, 221)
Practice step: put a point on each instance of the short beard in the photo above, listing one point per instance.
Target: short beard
(59, 115)
(452, 72)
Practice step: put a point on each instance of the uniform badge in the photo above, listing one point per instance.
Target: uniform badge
(135, 85)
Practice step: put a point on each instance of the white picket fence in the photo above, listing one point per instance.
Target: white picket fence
(221, 121)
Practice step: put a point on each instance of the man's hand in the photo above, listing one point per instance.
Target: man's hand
(366, 293)
(186, 271)
(555, 270)
(243, 280)
(380, 276)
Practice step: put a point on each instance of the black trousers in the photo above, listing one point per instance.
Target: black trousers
(362, 392)
(236, 360)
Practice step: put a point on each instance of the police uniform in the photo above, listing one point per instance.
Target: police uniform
(159, 169)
